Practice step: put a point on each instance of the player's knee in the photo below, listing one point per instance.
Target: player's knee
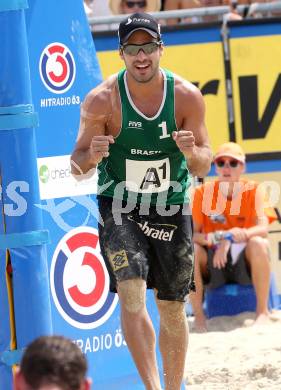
(132, 294)
(172, 315)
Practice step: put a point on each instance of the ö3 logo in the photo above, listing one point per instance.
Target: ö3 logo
(79, 280)
(57, 67)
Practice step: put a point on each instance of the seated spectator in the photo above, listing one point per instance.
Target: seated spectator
(52, 363)
(95, 8)
(212, 3)
(87, 7)
(230, 233)
(233, 13)
(189, 4)
(131, 6)
(253, 13)
(250, 10)
(181, 4)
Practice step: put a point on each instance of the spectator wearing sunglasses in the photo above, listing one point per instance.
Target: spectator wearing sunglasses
(131, 6)
(144, 127)
(230, 233)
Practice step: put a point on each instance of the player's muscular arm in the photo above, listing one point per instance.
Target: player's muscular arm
(92, 142)
(192, 139)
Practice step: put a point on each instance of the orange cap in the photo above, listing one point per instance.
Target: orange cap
(230, 149)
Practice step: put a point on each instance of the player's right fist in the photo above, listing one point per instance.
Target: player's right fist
(99, 147)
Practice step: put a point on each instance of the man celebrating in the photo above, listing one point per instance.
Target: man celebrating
(144, 129)
(230, 230)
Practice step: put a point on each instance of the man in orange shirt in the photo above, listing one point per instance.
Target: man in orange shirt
(230, 230)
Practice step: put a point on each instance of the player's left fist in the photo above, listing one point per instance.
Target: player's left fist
(185, 141)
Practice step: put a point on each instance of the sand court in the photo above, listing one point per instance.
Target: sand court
(235, 355)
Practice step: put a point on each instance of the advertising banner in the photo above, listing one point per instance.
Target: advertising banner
(24, 281)
(64, 68)
(256, 79)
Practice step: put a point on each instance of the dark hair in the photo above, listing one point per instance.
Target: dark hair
(53, 360)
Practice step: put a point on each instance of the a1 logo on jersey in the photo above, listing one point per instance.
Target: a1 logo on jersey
(57, 67)
(149, 176)
(79, 280)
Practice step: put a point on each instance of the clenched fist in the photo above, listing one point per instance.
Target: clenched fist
(185, 141)
(99, 147)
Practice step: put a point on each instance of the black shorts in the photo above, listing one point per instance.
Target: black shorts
(238, 273)
(155, 248)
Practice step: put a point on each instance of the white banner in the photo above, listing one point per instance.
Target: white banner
(56, 181)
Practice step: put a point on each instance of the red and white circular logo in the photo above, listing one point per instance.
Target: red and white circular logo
(57, 67)
(79, 280)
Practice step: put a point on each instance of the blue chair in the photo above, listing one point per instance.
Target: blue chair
(232, 299)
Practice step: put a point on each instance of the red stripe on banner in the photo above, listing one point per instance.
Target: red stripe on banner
(87, 300)
(56, 49)
(82, 239)
(60, 78)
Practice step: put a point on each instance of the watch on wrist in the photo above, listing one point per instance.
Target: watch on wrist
(218, 236)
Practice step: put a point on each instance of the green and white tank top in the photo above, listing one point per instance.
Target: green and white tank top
(145, 163)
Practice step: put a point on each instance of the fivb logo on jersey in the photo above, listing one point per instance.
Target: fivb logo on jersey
(57, 70)
(135, 125)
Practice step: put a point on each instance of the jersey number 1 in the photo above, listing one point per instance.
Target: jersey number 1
(165, 134)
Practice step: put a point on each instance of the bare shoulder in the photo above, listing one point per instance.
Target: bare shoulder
(187, 92)
(189, 102)
(100, 100)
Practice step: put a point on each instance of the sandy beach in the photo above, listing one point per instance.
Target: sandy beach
(235, 355)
